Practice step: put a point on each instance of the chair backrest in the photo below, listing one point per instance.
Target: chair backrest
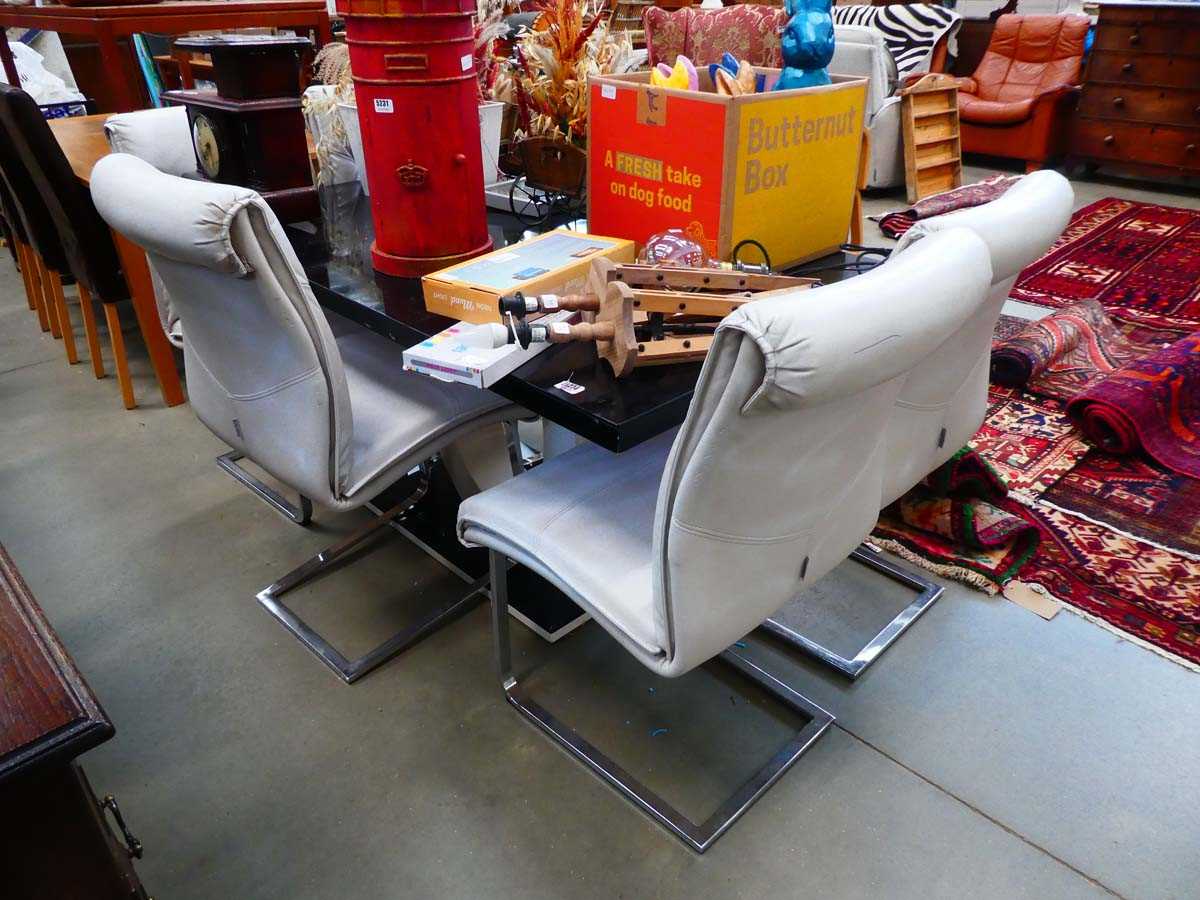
(778, 470)
(28, 207)
(1029, 55)
(861, 51)
(949, 390)
(85, 238)
(749, 31)
(263, 370)
(162, 137)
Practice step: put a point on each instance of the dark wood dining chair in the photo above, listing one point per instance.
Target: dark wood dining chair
(45, 252)
(88, 252)
(18, 245)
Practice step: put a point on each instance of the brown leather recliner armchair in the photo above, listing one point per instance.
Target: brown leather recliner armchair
(1016, 102)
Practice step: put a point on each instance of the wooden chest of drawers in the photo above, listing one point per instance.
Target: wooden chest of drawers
(1141, 95)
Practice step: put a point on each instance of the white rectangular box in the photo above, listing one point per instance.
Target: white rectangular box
(446, 357)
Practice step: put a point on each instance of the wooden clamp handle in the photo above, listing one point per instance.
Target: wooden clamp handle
(580, 302)
(562, 333)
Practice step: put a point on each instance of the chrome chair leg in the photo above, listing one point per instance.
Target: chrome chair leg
(301, 514)
(350, 670)
(697, 836)
(873, 558)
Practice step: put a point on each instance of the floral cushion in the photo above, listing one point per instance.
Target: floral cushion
(748, 31)
(666, 33)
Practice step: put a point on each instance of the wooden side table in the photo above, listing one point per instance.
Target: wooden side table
(109, 25)
(54, 837)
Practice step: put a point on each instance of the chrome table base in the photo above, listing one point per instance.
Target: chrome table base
(927, 593)
(697, 836)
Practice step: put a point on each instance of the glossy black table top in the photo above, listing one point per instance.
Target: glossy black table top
(615, 413)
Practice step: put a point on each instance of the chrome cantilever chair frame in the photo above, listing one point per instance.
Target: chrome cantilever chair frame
(300, 514)
(698, 836)
(872, 557)
(350, 670)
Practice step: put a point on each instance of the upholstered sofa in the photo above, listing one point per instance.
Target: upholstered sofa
(749, 31)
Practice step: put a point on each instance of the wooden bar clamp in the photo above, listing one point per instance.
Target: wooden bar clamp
(644, 315)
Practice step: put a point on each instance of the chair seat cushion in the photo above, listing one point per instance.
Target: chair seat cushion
(994, 112)
(584, 521)
(401, 418)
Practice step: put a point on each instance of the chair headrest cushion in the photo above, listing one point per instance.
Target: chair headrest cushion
(825, 343)
(1018, 226)
(178, 218)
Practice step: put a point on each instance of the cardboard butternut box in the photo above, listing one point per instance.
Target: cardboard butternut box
(556, 262)
(778, 167)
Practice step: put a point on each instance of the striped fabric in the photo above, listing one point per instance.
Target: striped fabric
(910, 30)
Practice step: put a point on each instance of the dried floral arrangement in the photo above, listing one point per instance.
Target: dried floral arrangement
(331, 67)
(547, 77)
(489, 26)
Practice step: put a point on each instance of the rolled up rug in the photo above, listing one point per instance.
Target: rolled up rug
(1151, 405)
(1063, 353)
(894, 224)
(958, 523)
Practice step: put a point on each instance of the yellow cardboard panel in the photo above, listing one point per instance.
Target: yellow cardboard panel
(796, 170)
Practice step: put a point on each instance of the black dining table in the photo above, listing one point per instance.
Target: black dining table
(616, 414)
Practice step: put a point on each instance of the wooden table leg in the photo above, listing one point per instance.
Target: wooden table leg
(141, 290)
(324, 30)
(124, 84)
(183, 59)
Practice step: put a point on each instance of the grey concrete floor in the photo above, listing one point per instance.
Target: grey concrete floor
(988, 753)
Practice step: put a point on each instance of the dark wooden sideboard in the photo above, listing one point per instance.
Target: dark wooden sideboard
(55, 840)
(1140, 106)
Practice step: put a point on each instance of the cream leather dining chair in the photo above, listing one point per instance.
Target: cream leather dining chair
(944, 398)
(684, 544)
(163, 138)
(335, 419)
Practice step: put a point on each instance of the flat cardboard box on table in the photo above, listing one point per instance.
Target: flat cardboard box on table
(777, 167)
(556, 262)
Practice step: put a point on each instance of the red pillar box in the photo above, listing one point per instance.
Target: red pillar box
(414, 83)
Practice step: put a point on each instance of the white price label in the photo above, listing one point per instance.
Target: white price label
(608, 91)
(383, 105)
(467, 61)
(570, 387)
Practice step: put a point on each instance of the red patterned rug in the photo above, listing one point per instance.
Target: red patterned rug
(1119, 534)
(1141, 261)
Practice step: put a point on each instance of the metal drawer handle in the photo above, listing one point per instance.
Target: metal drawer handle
(1135, 38)
(1190, 148)
(1128, 67)
(1118, 101)
(1109, 139)
(132, 845)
